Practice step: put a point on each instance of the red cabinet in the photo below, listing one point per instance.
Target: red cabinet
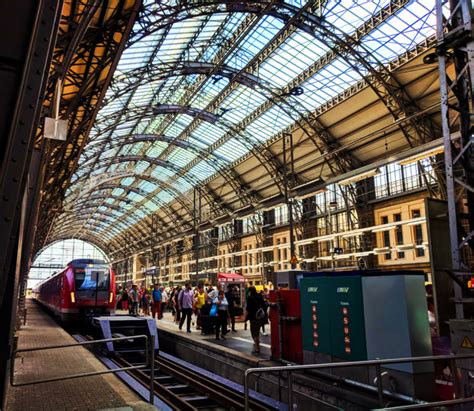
(285, 319)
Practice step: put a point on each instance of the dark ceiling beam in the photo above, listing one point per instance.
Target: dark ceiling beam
(232, 41)
(91, 60)
(167, 208)
(261, 152)
(64, 219)
(26, 54)
(282, 98)
(217, 162)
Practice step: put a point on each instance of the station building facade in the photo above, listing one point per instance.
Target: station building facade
(388, 230)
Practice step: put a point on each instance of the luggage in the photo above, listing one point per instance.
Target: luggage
(237, 311)
(205, 309)
(213, 312)
(207, 325)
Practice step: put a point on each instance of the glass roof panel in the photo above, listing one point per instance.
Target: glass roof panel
(201, 171)
(128, 103)
(152, 206)
(232, 150)
(147, 185)
(164, 197)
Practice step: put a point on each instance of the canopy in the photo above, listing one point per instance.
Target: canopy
(230, 277)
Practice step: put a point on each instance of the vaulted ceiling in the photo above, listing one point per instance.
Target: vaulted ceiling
(206, 91)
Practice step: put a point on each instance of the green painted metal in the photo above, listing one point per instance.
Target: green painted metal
(315, 314)
(347, 318)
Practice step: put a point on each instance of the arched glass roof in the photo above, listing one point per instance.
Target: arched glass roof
(216, 81)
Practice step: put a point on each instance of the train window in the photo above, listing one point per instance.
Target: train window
(92, 278)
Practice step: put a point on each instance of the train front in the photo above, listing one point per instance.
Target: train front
(93, 287)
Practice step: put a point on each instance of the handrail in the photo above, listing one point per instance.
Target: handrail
(377, 363)
(149, 360)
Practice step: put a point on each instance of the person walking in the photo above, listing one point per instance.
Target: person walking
(199, 301)
(164, 301)
(124, 299)
(222, 314)
(212, 295)
(185, 302)
(135, 299)
(231, 297)
(119, 297)
(156, 302)
(177, 316)
(145, 303)
(247, 292)
(255, 313)
(266, 298)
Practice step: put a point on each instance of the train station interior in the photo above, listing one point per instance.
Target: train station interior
(243, 205)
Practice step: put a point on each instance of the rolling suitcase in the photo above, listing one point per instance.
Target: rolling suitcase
(207, 325)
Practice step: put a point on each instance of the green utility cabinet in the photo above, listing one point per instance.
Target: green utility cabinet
(314, 294)
(332, 314)
(346, 316)
(360, 317)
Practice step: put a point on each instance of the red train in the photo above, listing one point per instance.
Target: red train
(84, 288)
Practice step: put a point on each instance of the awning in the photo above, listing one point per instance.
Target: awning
(230, 277)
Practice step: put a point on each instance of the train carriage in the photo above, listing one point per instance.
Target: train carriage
(84, 288)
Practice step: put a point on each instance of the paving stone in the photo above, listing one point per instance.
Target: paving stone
(88, 393)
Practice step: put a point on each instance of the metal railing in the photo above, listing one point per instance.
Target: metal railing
(149, 361)
(289, 369)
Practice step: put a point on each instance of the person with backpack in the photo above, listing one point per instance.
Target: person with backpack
(255, 313)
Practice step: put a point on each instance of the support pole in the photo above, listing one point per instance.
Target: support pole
(288, 200)
(197, 215)
(455, 42)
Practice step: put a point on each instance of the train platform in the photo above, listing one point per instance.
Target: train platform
(238, 343)
(102, 392)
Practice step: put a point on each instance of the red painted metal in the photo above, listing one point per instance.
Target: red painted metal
(57, 292)
(285, 319)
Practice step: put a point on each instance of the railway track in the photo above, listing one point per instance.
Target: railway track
(182, 388)
(185, 389)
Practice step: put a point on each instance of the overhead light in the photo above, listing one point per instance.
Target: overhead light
(422, 220)
(421, 156)
(328, 258)
(359, 177)
(405, 247)
(363, 254)
(352, 234)
(312, 194)
(382, 250)
(305, 241)
(385, 227)
(326, 238)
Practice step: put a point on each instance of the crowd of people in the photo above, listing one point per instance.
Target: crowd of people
(210, 309)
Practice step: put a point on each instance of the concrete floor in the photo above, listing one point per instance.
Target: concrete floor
(240, 341)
